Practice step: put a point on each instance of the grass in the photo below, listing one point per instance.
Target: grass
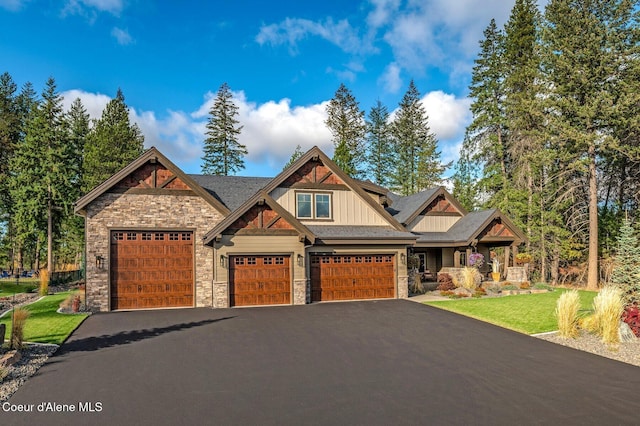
(9, 287)
(526, 313)
(45, 325)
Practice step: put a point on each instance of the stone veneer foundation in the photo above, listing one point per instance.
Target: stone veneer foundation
(112, 211)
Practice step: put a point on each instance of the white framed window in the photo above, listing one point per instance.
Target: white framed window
(313, 205)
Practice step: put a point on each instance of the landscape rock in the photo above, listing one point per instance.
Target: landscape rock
(625, 332)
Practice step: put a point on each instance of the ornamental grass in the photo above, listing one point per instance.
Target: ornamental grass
(44, 282)
(608, 307)
(19, 317)
(470, 278)
(567, 308)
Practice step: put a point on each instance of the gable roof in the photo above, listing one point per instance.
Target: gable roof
(232, 191)
(155, 155)
(261, 196)
(468, 228)
(406, 209)
(355, 186)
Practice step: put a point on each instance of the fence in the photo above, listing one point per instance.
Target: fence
(63, 277)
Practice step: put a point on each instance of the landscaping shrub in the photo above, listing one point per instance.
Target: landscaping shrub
(510, 287)
(445, 282)
(446, 293)
(4, 372)
(608, 307)
(567, 308)
(542, 286)
(19, 317)
(525, 285)
(476, 260)
(631, 316)
(479, 292)
(470, 278)
(416, 284)
(44, 282)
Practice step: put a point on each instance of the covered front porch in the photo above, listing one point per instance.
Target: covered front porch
(495, 237)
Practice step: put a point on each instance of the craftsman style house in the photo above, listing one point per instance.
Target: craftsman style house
(157, 237)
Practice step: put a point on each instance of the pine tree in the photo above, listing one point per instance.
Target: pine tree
(465, 177)
(346, 122)
(588, 45)
(71, 241)
(418, 164)
(297, 153)
(112, 143)
(380, 156)
(223, 154)
(42, 168)
(626, 271)
(9, 136)
(487, 134)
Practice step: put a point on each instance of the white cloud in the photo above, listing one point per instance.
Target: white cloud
(382, 12)
(390, 79)
(292, 30)
(81, 7)
(448, 115)
(13, 5)
(271, 130)
(122, 36)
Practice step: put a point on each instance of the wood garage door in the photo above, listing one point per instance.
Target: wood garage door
(342, 277)
(259, 280)
(151, 269)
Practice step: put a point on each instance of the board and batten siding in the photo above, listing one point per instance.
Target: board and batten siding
(433, 223)
(347, 208)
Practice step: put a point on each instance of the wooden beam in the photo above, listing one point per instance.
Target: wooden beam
(168, 181)
(456, 259)
(272, 221)
(468, 255)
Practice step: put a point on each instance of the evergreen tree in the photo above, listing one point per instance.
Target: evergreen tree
(297, 153)
(9, 136)
(588, 45)
(626, 271)
(42, 168)
(380, 154)
(71, 240)
(223, 154)
(418, 165)
(487, 133)
(112, 143)
(465, 177)
(346, 122)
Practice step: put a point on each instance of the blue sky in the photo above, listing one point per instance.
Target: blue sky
(283, 60)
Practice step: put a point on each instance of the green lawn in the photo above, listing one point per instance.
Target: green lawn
(9, 287)
(45, 325)
(526, 313)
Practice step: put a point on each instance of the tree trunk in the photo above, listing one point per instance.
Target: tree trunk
(529, 207)
(49, 237)
(36, 257)
(555, 265)
(592, 278)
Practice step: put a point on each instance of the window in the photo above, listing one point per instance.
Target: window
(146, 236)
(323, 206)
(268, 261)
(303, 202)
(174, 236)
(132, 236)
(159, 236)
(251, 260)
(313, 206)
(279, 260)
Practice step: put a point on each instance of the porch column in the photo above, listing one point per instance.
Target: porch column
(456, 259)
(468, 255)
(514, 250)
(506, 258)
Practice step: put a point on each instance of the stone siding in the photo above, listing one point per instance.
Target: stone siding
(300, 295)
(403, 287)
(221, 294)
(136, 211)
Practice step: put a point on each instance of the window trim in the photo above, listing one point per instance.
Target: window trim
(314, 204)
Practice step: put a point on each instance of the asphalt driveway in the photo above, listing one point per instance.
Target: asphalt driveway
(371, 363)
